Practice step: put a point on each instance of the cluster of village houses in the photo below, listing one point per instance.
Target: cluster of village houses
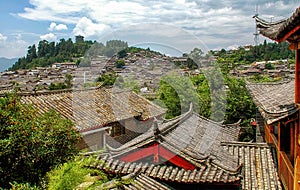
(145, 68)
(186, 152)
(281, 69)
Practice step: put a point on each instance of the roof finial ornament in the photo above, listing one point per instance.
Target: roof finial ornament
(156, 130)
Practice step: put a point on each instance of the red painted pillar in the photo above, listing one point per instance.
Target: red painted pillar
(297, 75)
(292, 143)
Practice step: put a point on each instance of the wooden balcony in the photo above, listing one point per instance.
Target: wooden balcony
(286, 171)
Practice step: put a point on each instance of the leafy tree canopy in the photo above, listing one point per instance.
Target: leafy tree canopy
(107, 79)
(32, 144)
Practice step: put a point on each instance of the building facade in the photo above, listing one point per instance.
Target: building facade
(279, 104)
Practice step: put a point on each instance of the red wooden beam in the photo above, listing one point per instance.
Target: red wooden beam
(291, 32)
(175, 159)
(140, 153)
(157, 150)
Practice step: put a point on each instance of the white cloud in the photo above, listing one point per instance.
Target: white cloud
(2, 38)
(88, 28)
(53, 26)
(218, 23)
(12, 47)
(49, 37)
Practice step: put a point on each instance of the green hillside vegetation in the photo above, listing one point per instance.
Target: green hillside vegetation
(262, 52)
(46, 53)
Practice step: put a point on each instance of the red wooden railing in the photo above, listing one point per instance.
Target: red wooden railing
(286, 171)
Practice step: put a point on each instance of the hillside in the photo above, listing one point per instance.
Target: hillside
(46, 53)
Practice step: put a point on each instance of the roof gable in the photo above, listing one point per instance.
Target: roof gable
(191, 137)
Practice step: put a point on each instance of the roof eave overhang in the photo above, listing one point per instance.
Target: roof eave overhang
(288, 35)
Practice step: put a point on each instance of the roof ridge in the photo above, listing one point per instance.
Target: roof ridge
(269, 83)
(239, 143)
(50, 92)
(267, 23)
(221, 124)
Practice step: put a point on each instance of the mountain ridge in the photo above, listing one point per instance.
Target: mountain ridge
(5, 63)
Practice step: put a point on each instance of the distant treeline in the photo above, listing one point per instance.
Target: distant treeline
(262, 52)
(46, 53)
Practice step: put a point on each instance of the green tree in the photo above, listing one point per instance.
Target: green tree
(31, 53)
(127, 83)
(31, 144)
(203, 91)
(119, 63)
(107, 79)
(269, 66)
(68, 80)
(69, 175)
(176, 93)
(122, 53)
(57, 86)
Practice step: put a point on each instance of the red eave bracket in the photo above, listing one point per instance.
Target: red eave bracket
(291, 32)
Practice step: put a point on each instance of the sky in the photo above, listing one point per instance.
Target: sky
(172, 27)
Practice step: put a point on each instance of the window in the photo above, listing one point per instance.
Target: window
(286, 144)
(117, 130)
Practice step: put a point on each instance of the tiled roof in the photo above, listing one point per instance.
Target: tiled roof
(134, 181)
(274, 100)
(190, 136)
(143, 181)
(277, 30)
(6, 89)
(259, 171)
(207, 173)
(211, 147)
(93, 108)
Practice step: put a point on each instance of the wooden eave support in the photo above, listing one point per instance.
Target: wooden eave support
(290, 33)
(297, 73)
(294, 45)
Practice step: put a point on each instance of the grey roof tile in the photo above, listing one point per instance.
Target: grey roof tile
(92, 108)
(274, 100)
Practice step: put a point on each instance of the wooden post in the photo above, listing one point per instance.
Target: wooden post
(279, 148)
(297, 174)
(297, 139)
(297, 74)
(292, 142)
